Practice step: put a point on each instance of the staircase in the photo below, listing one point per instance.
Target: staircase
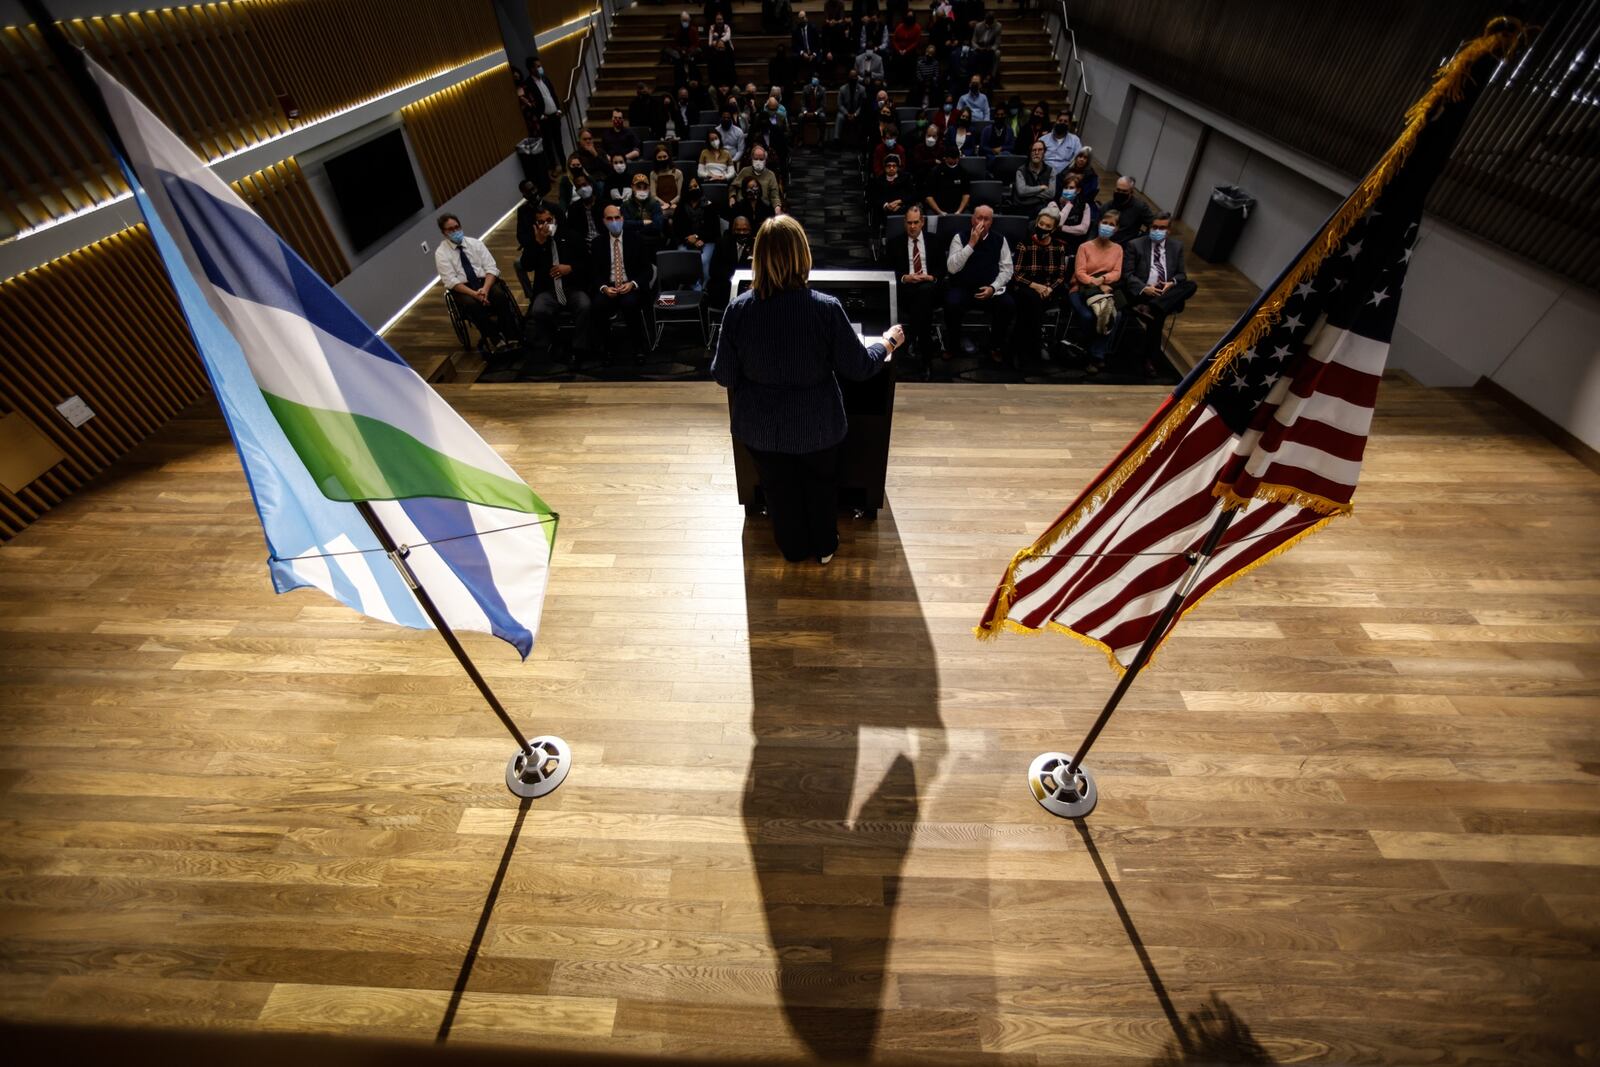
(633, 53)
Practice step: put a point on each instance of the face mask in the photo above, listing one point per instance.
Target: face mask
(1158, 235)
(684, 23)
(550, 228)
(949, 108)
(726, 123)
(714, 144)
(816, 81)
(1061, 129)
(456, 237)
(889, 142)
(619, 167)
(1106, 229)
(1120, 197)
(614, 226)
(641, 194)
(931, 141)
(663, 164)
(758, 165)
(1042, 235)
(1069, 195)
(974, 90)
(540, 72)
(575, 167)
(586, 191)
(751, 194)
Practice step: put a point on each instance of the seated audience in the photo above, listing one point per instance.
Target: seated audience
(1039, 276)
(961, 136)
(852, 102)
(1134, 214)
(731, 132)
(621, 273)
(666, 181)
(806, 41)
(1035, 183)
(762, 175)
(1096, 269)
(583, 210)
(645, 210)
(869, 67)
(894, 192)
(733, 252)
(673, 118)
(716, 162)
(643, 109)
(527, 211)
(905, 43)
(683, 48)
(1088, 180)
(553, 261)
(949, 190)
(1035, 126)
(1061, 145)
(747, 202)
(986, 46)
(975, 102)
(619, 140)
(617, 181)
(592, 160)
(694, 227)
(1154, 279)
(1076, 213)
(929, 75)
(918, 262)
(888, 142)
(979, 269)
(813, 108)
(468, 271)
(719, 50)
(999, 138)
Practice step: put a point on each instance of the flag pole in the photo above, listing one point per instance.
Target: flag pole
(1061, 784)
(538, 766)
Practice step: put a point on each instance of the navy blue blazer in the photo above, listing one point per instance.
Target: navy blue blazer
(778, 358)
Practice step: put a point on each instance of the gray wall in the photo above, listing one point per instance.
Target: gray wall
(1470, 309)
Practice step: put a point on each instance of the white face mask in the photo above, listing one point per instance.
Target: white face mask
(550, 228)
(714, 144)
(758, 165)
(931, 142)
(641, 194)
(619, 167)
(586, 191)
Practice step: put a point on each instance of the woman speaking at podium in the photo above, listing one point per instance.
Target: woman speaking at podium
(780, 348)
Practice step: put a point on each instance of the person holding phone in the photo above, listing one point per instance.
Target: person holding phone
(779, 354)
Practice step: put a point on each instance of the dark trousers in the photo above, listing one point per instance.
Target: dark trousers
(630, 306)
(1160, 307)
(917, 302)
(498, 319)
(541, 329)
(1031, 309)
(802, 494)
(957, 302)
(1099, 344)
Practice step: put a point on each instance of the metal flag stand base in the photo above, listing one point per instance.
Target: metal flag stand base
(538, 766)
(1063, 785)
(540, 769)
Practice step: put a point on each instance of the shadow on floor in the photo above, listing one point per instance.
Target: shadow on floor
(846, 705)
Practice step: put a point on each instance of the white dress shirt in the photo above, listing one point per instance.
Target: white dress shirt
(960, 252)
(544, 91)
(1158, 254)
(447, 259)
(917, 246)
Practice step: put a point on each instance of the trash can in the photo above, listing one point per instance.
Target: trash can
(864, 463)
(1224, 219)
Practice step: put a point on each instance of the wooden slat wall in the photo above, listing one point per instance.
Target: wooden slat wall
(461, 132)
(1333, 81)
(280, 195)
(101, 323)
(329, 54)
(558, 59)
(214, 73)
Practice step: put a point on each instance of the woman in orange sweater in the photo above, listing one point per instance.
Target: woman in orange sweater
(1096, 269)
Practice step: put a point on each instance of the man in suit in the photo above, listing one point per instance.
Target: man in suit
(731, 253)
(621, 276)
(918, 262)
(1154, 279)
(544, 98)
(553, 261)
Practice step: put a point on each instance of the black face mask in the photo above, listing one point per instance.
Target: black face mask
(1042, 235)
(576, 168)
(1061, 129)
(1121, 198)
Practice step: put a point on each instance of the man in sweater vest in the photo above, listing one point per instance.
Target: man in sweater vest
(979, 265)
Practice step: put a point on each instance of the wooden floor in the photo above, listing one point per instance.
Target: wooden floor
(1352, 815)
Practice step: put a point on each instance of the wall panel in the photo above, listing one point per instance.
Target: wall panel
(100, 323)
(280, 195)
(461, 132)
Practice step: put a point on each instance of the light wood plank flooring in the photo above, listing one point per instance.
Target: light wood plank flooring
(1352, 812)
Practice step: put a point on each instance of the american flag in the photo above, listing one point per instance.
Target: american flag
(1273, 422)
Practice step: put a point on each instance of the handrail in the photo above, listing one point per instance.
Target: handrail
(581, 80)
(1064, 50)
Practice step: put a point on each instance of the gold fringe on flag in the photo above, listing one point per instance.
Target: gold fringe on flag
(1500, 38)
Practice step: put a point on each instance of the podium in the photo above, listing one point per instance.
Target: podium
(869, 300)
(864, 456)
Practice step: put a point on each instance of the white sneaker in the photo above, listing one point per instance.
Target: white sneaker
(825, 560)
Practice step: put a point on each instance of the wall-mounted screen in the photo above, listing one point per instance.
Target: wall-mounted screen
(374, 187)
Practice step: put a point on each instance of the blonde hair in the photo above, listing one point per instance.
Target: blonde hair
(781, 258)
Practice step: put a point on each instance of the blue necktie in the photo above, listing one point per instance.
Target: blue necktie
(473, 280)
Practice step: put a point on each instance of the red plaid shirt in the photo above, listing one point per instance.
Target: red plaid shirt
(1040, 264)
